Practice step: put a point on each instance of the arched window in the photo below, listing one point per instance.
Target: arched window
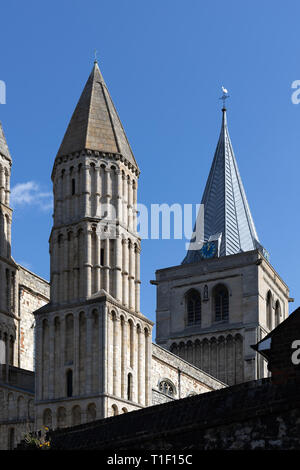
(91, 412)
(115, 410)
(167, 387)
(221, 302)
(47, 418)
(269, 310)
(76, 415)
(11, 439)
(277, 313)
(193, 307)
(129, 387)
(69, 377)
(61, 417)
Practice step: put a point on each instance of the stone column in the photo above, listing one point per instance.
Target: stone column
(62, 352)
(140, 365)
(125, 272)
(98, 191)
(137, 279)
(51, 358)
(7, 189)
(148, 363)
(103, 348)
(108, 191)
(75, 266)
(89, 344)
(118, 268)
(109, 354)
(86, 190)
(124, 329)
(119, 195)
(87, 263)
(2, 186)
(129, 203)
(135, 374)
(117, 358)
(38, 360)
(107, 265)
(97, 267)
(8, 237)
(76, 354)
(125, 201)
(64, 271)
(131, 289)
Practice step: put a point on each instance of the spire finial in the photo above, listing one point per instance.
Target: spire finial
(95, 56)
(224, 97)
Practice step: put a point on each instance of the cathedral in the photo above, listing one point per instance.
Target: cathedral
(78, 348)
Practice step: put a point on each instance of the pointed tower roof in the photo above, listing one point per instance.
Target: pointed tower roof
(3, 144)
(227, 215)
(95, 124)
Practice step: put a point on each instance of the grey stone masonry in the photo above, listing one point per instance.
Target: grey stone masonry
(257, 300)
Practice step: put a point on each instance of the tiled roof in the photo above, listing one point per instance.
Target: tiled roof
(95, 124)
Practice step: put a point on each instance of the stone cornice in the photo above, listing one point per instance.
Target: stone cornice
(96, 154)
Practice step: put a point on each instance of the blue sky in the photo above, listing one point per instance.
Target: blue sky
(164, 62)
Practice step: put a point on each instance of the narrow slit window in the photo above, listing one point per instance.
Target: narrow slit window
(102, 256)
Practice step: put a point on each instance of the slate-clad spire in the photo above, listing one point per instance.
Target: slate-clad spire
(95, 124)
(3, 145)
(226, 209)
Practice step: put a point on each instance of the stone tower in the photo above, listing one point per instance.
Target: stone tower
(225, 296)
(8, 299)
(93, 344)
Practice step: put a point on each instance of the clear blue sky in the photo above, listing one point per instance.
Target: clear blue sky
(164, 63)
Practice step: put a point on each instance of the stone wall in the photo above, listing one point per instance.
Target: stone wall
(252, 415)
(33, 294)
(174, 378)
(16, 406)
(222, 348)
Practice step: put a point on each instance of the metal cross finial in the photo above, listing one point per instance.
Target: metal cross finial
(224, 96)
(95, 56)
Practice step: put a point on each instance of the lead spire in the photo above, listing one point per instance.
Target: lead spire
(227, 215)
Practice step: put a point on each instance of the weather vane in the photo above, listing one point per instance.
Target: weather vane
(224, 96)
(95, 56)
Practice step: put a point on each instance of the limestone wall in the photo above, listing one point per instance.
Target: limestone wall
(174, 378)
(16, 415)
(33, 294)
(221, 348)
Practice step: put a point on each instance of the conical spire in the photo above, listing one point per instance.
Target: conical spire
(95, 124)
(3, 144)
(227, 215)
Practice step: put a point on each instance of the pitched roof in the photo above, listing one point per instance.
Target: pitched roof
(95, 124)
(226, 209)
(3, 144)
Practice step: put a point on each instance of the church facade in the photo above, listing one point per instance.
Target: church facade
(82, 339)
